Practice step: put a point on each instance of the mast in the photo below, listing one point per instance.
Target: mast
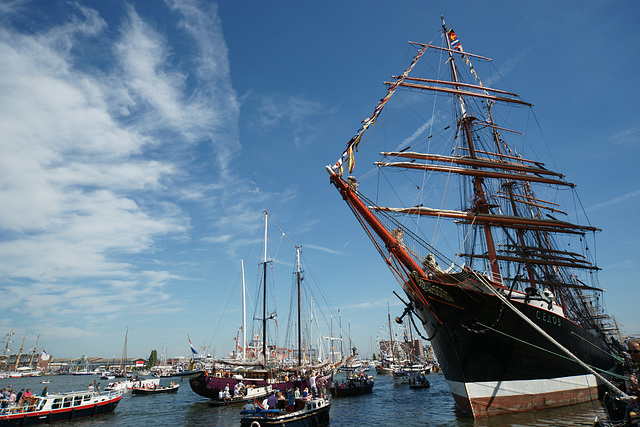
(393, 357)
(481, 201)
(21, 348)
(331, 340)
(371, 346)
(264, 294)
(340, 326)
(33, 353)
(411, 347)
(124, 349)
(6, 348)
(244, 315)
(299, 280)
(311, 333)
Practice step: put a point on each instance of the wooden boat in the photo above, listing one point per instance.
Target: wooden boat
(353, 386)
(420, 385)
(173, 388)
(60, 407)
(511, 301)
(314, 413)
(251, 393)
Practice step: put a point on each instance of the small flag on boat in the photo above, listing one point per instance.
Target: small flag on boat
(351, 161)
(193, 350)
(455, 43)
(352, 145)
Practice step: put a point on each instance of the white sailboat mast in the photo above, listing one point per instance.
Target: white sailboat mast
(299, 279)
(264, 294)
(244, 315)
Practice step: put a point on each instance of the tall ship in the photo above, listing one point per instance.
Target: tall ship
(478, 232)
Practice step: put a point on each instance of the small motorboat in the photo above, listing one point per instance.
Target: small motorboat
(155, 390)
(315, 412)
(420, 384)
(353, 386)
(130, 384)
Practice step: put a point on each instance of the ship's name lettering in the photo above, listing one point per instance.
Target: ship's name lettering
(548, 317)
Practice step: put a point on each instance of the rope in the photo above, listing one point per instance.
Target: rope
(622, 377)
(613, 388)
(618, 358)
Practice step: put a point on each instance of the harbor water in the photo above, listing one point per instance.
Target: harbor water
(389, 404)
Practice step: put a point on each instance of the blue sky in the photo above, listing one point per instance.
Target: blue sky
(141, 142)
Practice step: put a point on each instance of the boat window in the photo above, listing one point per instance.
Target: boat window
(77, 400)
(67, 402)
(87, 397)
(56, 403)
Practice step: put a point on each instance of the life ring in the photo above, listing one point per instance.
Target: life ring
(255, 424)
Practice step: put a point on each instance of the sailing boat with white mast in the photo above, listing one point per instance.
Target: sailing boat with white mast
(266, 364)
(515, 316)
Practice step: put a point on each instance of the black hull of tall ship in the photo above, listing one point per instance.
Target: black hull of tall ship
(495, 362)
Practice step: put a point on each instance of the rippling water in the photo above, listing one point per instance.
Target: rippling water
(388, 405)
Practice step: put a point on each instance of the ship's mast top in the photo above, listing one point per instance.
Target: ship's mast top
(465, 126)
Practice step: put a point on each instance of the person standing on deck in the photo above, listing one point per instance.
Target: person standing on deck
(272, 401)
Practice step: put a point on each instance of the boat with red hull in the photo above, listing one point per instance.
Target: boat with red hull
(515, 316)
(60, 407)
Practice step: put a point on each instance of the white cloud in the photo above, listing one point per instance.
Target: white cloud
(276, 111)
(88, 180)
(616, 200)
(626, 137)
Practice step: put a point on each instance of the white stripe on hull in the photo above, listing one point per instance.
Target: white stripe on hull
(499, 397)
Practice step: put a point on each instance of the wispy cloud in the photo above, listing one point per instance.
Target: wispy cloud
(420, 131)
(92, 165)
(278, 110)
(323, 249)
(366, 305)
(620, 199)
(626, 137)
(507, 67)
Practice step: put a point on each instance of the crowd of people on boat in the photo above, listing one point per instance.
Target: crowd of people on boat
(317, 386)
(355, 380)
(239, 391)
(12, 402)
(289, 400)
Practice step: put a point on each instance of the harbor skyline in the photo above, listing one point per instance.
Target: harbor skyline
(142, 143)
